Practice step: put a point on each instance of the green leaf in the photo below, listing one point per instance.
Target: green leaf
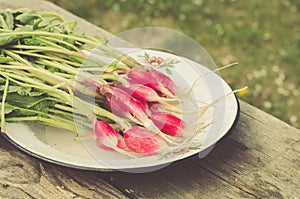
(28, 17)
(7, 108)
(24, 28)
(8, 19)
(21, 100)
(2, 80)
(33, 42)
(43, 106)
(17, 89)
(7, 39)
(35, 93)
(5, 59)
(41, 24)
(39, 103)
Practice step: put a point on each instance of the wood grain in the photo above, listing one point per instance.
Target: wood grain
(259, 158)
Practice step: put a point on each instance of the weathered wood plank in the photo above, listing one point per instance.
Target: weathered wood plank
(258, 159)
(22, 176)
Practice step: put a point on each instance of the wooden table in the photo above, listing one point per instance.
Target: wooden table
(260, 158)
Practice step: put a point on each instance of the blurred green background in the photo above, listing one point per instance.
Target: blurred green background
(263, 36)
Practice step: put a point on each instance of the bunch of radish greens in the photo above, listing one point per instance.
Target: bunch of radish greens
(40, 59)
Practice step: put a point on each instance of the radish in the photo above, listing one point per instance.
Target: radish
(168, 123)
(147, 94)
(164, 80)
(143, 141)
(121, 99)
(143, 93)
(144, 77)
(117, 108)
(107, 137)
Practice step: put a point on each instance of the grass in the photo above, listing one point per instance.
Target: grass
(263, 36)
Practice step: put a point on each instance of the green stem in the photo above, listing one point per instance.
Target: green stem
(67, 57)
(93, 44)
(32, 83)
(47, 121)
(112, 52)
(67, 98)
(49, 43)
(42, 116)
(112, 77)
(49, 57)
(41, 100)
(16, 57)
(72, 117)
(62, 42)
(64, 75)
(59, 66)
(50, 49)
(3, 23)
(38, 73)
(64, 107)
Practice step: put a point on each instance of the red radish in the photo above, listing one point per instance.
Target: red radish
(143, 141)
(147, 94)
(144, 77)
(164, 80)
(120, 98)
(168, 123)
(130, 81)
(107, 137)
(117, 108)
(142, 92)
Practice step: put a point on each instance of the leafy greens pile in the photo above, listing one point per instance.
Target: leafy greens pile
(40, 55)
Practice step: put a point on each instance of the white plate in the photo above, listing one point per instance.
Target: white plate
(59, 147)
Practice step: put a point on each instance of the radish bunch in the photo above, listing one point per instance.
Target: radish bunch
(141, 96)
(136, 110)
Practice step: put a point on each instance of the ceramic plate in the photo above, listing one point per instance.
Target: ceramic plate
(208, 88)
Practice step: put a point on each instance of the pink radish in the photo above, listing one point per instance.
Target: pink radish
(164, 80)
(117, 108)
(142, 93)
(144, 77)
(143, 141)
(168, 123)
(147, 94)
(107, 137)
(120, 98)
